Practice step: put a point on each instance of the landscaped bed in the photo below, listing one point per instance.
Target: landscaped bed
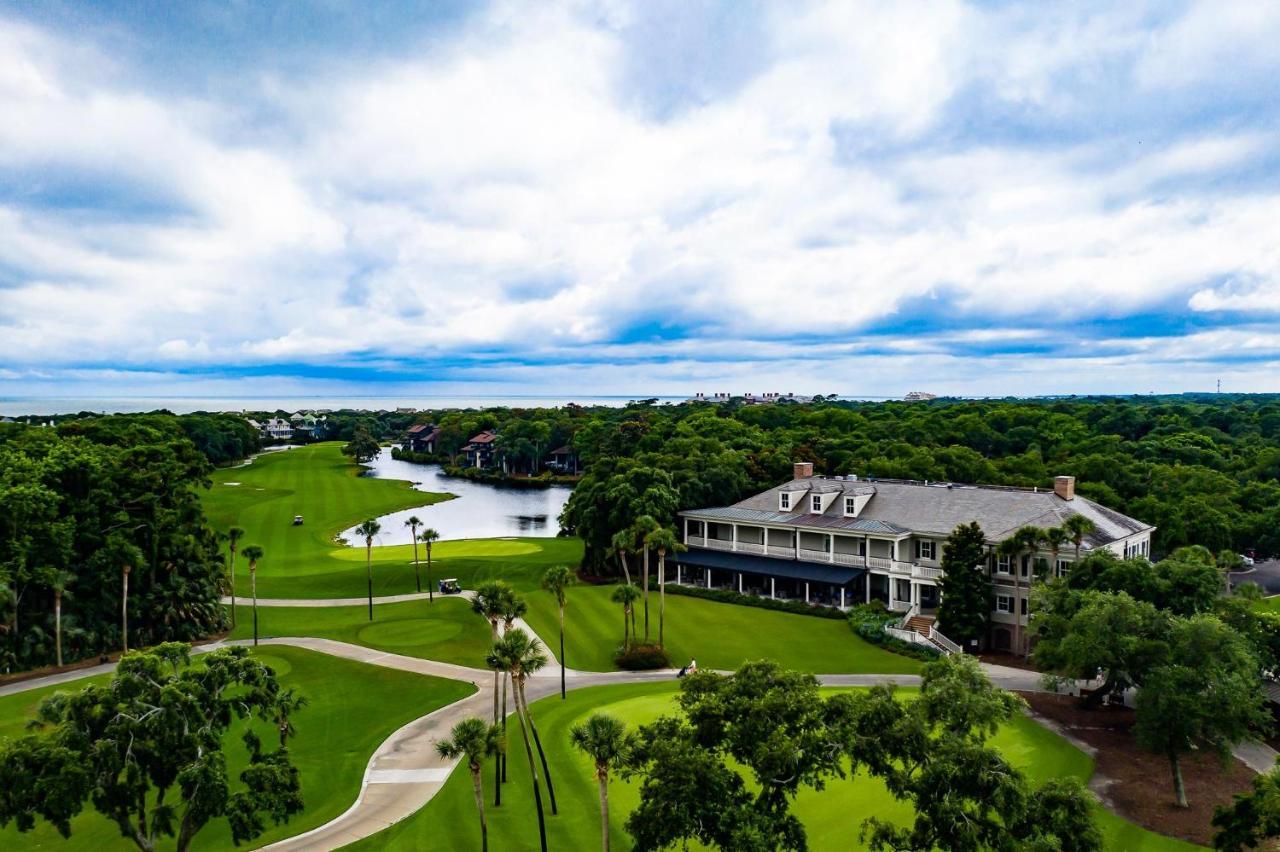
(1138, 783)
(352, 708)
(832, 817)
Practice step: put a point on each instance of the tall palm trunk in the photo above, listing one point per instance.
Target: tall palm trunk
(644, 571)
(368, 570)
(124, 611)
(662, 596)
(533, 772)
(431, 593)
(562, 663)
(603, 775)
(417, 578)
(502, 759)
(57, 624)
(253, 588)
(478, 786)
(232, 586)
(497, 758)
(546, 770)
(626, 628)
(622, 557)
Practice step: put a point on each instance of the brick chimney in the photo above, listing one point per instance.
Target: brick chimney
(803, 470)
(1065, 487)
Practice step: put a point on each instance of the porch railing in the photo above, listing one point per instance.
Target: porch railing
(850, 559)
(750, 547)
(785, 552)
(814, 555)
(942, 641)
(921, 572)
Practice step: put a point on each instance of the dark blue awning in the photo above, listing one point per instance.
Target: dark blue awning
(814, 572)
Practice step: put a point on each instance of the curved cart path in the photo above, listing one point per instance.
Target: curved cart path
(405, 771)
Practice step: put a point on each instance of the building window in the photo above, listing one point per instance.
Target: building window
(784, 501)
(815, 503)
(1004, 565)
(1064, 567)
(1024, 606)
(1004, 603)
(851, 505)
(926, 550)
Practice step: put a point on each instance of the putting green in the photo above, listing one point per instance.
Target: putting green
(717, 635)
(351, 708)
(831, 817)
(324, 486)
(408, 633)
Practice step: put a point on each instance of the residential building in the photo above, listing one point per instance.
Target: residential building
(421, 438)
(274, 429)
(919, 396)
(563, 459)
(843, 540)
(479, 450)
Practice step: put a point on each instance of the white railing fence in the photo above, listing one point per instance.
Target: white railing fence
(942, 641)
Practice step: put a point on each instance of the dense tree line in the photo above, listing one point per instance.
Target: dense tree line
(82, 505)
(1204, 469)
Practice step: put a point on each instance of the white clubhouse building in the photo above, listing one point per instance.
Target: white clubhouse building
(840, 541)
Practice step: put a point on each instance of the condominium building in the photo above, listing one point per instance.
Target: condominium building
(838, 541)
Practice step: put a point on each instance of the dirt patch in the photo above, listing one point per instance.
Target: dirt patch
(1137, 784)
(1012, 661)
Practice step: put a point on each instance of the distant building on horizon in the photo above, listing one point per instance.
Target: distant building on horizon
(919, 396)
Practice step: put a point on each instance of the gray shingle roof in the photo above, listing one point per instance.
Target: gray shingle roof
(898, 507)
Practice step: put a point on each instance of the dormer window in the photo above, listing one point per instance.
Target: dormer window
(815, 503)
(851, 506)
(784, 501)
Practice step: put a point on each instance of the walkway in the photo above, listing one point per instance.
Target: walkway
(405, 771)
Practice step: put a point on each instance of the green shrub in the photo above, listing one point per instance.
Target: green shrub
(642, 658)
(868, 622)
(727, 596)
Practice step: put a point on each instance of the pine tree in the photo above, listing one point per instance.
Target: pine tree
(965, 610)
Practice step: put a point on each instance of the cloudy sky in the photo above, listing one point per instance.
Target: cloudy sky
(648, 198)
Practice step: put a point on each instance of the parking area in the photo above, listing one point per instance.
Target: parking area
(1265, 574)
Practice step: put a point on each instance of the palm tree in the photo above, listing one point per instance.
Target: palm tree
(1078, 527)
(429, 537)
(1023, 542)
(622, 542)
(234, 534)
(513, 607)
(626, 595)
(413, 523)
(124, 606)
(663, 540)
(521, 656)
(253, 553)
(1055, 537)
(472, 740)
(499, 667)
(640, 530)
(58, 581)
(556, 581)
(603, 739)
(488, 602)
(367, 531)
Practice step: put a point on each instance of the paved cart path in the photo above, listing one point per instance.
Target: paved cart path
(405, 771)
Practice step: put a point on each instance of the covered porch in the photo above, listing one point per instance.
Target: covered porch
(820, 585)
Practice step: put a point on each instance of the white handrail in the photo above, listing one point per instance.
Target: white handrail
(940, 639)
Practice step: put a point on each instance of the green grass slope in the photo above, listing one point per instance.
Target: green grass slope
(445, 630)
(832, 818)
(352, 708)
(717, 635)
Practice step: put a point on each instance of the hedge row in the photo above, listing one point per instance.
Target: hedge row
(727, 596)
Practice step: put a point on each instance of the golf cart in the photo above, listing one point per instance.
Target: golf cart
(297, 520)
(450, 586)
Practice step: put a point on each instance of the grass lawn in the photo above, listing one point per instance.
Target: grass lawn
(717, 635)
(352, 708)
(446, 630)
(323, 486)
(831, 818)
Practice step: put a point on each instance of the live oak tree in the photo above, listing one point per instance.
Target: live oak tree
(363, 447)
(1206, 694)
(1253, 817)
(146, 750)
(965, 611)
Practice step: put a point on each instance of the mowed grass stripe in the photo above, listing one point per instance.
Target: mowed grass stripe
(352, 708)
(717, 635)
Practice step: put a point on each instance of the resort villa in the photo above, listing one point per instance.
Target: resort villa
(839, 541)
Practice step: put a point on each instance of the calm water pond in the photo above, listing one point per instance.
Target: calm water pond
(480, 510)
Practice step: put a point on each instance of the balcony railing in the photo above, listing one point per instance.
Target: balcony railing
(850, 559)
(695, 540)
(900, 567)
(718, 544)
(750, 547)
(814, 555)
(783, 551)
(879, 562)
(921, 572)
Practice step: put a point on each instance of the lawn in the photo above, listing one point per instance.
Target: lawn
(717, 635)
(325, 487)
(445, 630)
(831, 818)
(352, 708)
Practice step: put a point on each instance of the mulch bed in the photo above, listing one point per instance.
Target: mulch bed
(1137, 784)
(1003, 658)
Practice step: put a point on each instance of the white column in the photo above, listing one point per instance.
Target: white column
(739, 582)
(735, 536)
(831, 554)
(678, 583)
(806, 591)
(795, 543)
(867, 579)
(686, 529)
(708, 576)
(842, 597)
(772, 590)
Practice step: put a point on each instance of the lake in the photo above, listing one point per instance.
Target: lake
(481, 510)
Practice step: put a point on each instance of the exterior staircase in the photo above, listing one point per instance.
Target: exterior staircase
(922, 630)
(920, 624)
